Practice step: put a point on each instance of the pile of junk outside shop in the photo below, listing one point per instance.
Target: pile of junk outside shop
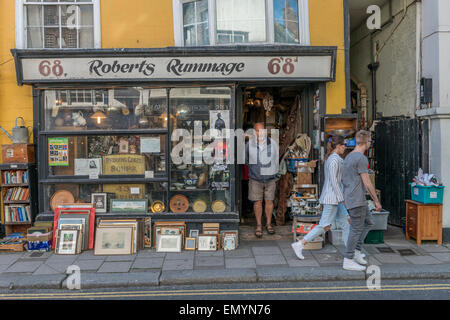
(100, 173)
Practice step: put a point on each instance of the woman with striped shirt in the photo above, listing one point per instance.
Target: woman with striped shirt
(332, 197)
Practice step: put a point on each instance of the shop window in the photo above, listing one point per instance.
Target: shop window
(124, 108)
(221, 22)
(205, 185)
(101, 155)
(153, 192)
(49, 24)
(94, 141)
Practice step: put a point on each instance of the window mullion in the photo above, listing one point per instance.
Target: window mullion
(60, 27)
(270, 22)
(43, 27)
(212, 23)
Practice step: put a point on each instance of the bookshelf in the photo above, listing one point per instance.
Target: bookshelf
(19, 196)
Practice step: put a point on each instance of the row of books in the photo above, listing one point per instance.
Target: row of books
(17, 213)
(16, 194)
(15, 176)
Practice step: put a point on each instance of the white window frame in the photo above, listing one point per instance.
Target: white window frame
(303, 7)
(20, 23)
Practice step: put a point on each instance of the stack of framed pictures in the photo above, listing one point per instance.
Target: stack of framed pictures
(211, 229)
(230, 239)
(78, 219)
(117, 237)
(69, 239)
(169, 236)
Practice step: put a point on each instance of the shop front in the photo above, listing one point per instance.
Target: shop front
(107, 124)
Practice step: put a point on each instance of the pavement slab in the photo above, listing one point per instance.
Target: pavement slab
(270, 260)
(59, 258)
(236, 263)
(239, 253)
(23, 267)
(45, 269)
(148, 263)
(115, 266)
(442, 256)
(399, 243)
(10, 258)
(127, 257)
(422, 260)
(329, 258)
(307, 274)
(266, 250)
(35, 255)
(218, 253)
(181, 264)
(180, 255)
(89, 255)
(91, 280)
(307, 262)
(150, 253)
(207, 276)
(89, 265)
(386, 258)
(209, 262)
(434, 248)
(61, 267)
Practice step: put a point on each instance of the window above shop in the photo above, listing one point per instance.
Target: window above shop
(225, 22)
(57, 24)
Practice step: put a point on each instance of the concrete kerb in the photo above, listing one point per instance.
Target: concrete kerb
(114, 280)
(207, 276)
(306, 274)
(52, 281)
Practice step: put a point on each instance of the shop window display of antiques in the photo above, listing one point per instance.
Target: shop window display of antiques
(124, 108)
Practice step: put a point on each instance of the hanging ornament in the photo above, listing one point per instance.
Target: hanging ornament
(268, 103)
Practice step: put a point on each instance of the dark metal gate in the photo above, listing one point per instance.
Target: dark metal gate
(396, 163)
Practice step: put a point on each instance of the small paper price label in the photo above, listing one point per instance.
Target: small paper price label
(433, 195)
(134, 190)
(416, 191)
(149, 174)
(93, 175)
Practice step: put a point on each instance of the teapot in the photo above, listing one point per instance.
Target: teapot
(19, 133)
(78, 119)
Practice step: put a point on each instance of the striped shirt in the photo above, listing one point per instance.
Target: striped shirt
(332, 188)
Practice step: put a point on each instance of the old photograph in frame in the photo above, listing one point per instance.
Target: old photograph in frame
(100, 201)
(67, 241)
(169, 243)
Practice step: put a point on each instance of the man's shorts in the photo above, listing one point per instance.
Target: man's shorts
(258, 190)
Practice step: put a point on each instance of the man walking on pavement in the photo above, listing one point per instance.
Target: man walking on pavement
(261, 155)
(355, 180)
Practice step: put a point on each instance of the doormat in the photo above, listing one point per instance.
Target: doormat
(385, 250)
(406, 252)
(36, 254)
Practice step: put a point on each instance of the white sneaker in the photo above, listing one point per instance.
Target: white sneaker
(350, 264)
(298, 247)
(361, 254)
(359, 258)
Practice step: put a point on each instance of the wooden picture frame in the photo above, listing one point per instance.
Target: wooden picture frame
(103, 197)
(67, 241)
(229, 242)
(117, 240)
(207, 242)
(128, 205)
(190, 244)
(194, 233)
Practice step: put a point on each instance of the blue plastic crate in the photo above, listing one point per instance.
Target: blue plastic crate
(427, 194)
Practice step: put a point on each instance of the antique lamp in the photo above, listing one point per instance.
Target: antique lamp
(99, 116)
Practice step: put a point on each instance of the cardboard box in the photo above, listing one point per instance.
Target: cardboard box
(18, 153)
(316, 244)
(310, 164)
(303, 227)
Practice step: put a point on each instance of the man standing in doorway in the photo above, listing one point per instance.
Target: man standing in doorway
(261, 154)
(355, 180)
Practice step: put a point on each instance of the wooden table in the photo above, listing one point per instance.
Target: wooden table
(423, 221)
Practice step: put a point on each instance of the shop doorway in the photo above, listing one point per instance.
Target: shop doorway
(273, 106)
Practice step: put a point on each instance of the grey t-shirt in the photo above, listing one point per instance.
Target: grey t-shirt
(354, 191)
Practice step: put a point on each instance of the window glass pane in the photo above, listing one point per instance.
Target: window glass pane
(51, 16)
(204, 184)
(34, 37)
(86, 37)
(122, 108)
(69, 38)
(152, 192)
(241, 21)
(51, 38)
(106, 155)
(195, 23)
(34, 16)
(286, 17)
(87, 15)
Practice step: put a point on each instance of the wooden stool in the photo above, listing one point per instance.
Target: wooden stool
(423, 221)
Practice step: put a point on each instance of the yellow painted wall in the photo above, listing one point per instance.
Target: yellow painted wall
(149, 23)
(326, 24)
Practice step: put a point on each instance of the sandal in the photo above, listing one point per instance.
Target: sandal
(258, 232)
(270, 229)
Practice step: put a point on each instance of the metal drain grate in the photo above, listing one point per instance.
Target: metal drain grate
(385, 250)
(406, 252)
(36, 254)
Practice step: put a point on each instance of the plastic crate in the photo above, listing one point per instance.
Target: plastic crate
(380, 219)
(427, 194)
(374, 237)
